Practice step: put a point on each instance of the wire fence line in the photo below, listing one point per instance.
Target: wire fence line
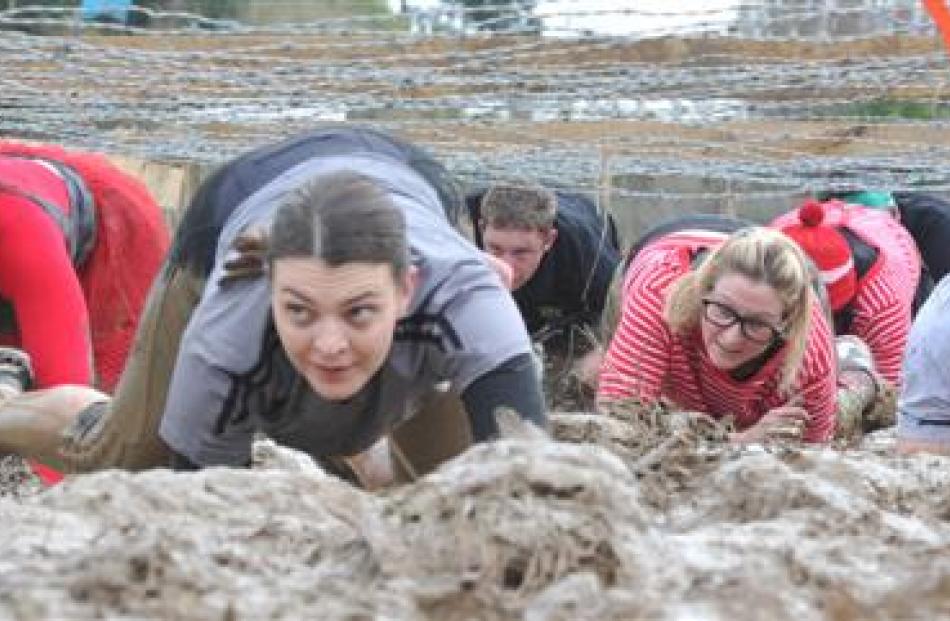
(713, 120)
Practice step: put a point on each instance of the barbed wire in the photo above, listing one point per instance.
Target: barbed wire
(699, 120)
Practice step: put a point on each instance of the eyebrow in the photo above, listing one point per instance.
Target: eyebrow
(765, 316)
(360, 297)
(510, 249)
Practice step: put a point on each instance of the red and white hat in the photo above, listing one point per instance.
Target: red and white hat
(829, 251)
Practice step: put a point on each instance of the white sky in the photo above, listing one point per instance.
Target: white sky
(663, 14)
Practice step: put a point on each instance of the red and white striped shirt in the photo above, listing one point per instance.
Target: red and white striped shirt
(885, 294)
(648, 362)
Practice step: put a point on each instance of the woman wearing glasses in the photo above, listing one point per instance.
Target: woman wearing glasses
(726, 324)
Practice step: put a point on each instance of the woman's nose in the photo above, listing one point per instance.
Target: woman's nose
(733, 334)
(329, 341)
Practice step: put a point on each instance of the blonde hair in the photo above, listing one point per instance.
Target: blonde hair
(764, 256)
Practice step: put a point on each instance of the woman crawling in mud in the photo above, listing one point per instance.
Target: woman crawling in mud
(722, 318)
(360, 308)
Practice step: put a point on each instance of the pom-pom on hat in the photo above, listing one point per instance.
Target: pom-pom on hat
(829, 251)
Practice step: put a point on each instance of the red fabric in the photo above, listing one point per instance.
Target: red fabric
(941, 15)
(131, 241)
(885, 295)
(827, 248)
(646, 361)
(47, 475)
(37, 278)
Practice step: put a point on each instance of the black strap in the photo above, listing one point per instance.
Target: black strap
(15, 363)
(864, 256)
(79, 226)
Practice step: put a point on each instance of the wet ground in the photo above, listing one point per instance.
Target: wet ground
(646, 516)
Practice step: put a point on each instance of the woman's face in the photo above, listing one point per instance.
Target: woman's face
(336, 322)
(740, 319)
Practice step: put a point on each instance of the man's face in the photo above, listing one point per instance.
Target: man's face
(521, 249)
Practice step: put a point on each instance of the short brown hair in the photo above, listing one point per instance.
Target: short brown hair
(523, 206)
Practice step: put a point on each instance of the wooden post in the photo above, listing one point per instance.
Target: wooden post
(729, 204)
(605, 183)
(172, 184)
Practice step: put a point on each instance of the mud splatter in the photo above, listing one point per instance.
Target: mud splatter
(653, 517)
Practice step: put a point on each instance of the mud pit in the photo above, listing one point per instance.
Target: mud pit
(655, 520)
(658, 519)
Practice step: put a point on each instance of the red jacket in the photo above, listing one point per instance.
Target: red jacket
(75, 322)
(648, 362)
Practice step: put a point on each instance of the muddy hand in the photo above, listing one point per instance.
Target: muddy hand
(246, 257)
(786, 423)
(782, 424)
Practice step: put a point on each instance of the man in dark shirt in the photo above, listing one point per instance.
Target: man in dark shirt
(927, 218)
(562, 251)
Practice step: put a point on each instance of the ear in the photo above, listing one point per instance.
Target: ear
(407, 289)
(549, 238)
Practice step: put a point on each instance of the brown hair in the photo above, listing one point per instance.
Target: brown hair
(510, 206)
(341, 218)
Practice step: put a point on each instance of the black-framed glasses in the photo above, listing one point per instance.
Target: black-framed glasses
(724, 316)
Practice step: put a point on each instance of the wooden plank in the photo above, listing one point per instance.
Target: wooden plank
(171, 183)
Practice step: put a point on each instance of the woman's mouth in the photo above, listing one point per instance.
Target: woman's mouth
(727, 351)
(332, 373)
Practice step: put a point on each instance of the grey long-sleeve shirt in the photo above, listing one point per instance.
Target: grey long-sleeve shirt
(232, 377)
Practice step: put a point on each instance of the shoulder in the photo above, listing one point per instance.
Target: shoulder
(931, 330)
(921, 202)
(878, 228)
(228, 324)
(462, 323)
(577, 215)
(657, 266)
(575, 204)
(925, 368)
(448, 290)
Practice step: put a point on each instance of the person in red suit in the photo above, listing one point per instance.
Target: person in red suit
(80, 243)
(870, 266)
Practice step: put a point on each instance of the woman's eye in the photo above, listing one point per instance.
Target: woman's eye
(362, 314)
(722, 313)
(297, 312)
